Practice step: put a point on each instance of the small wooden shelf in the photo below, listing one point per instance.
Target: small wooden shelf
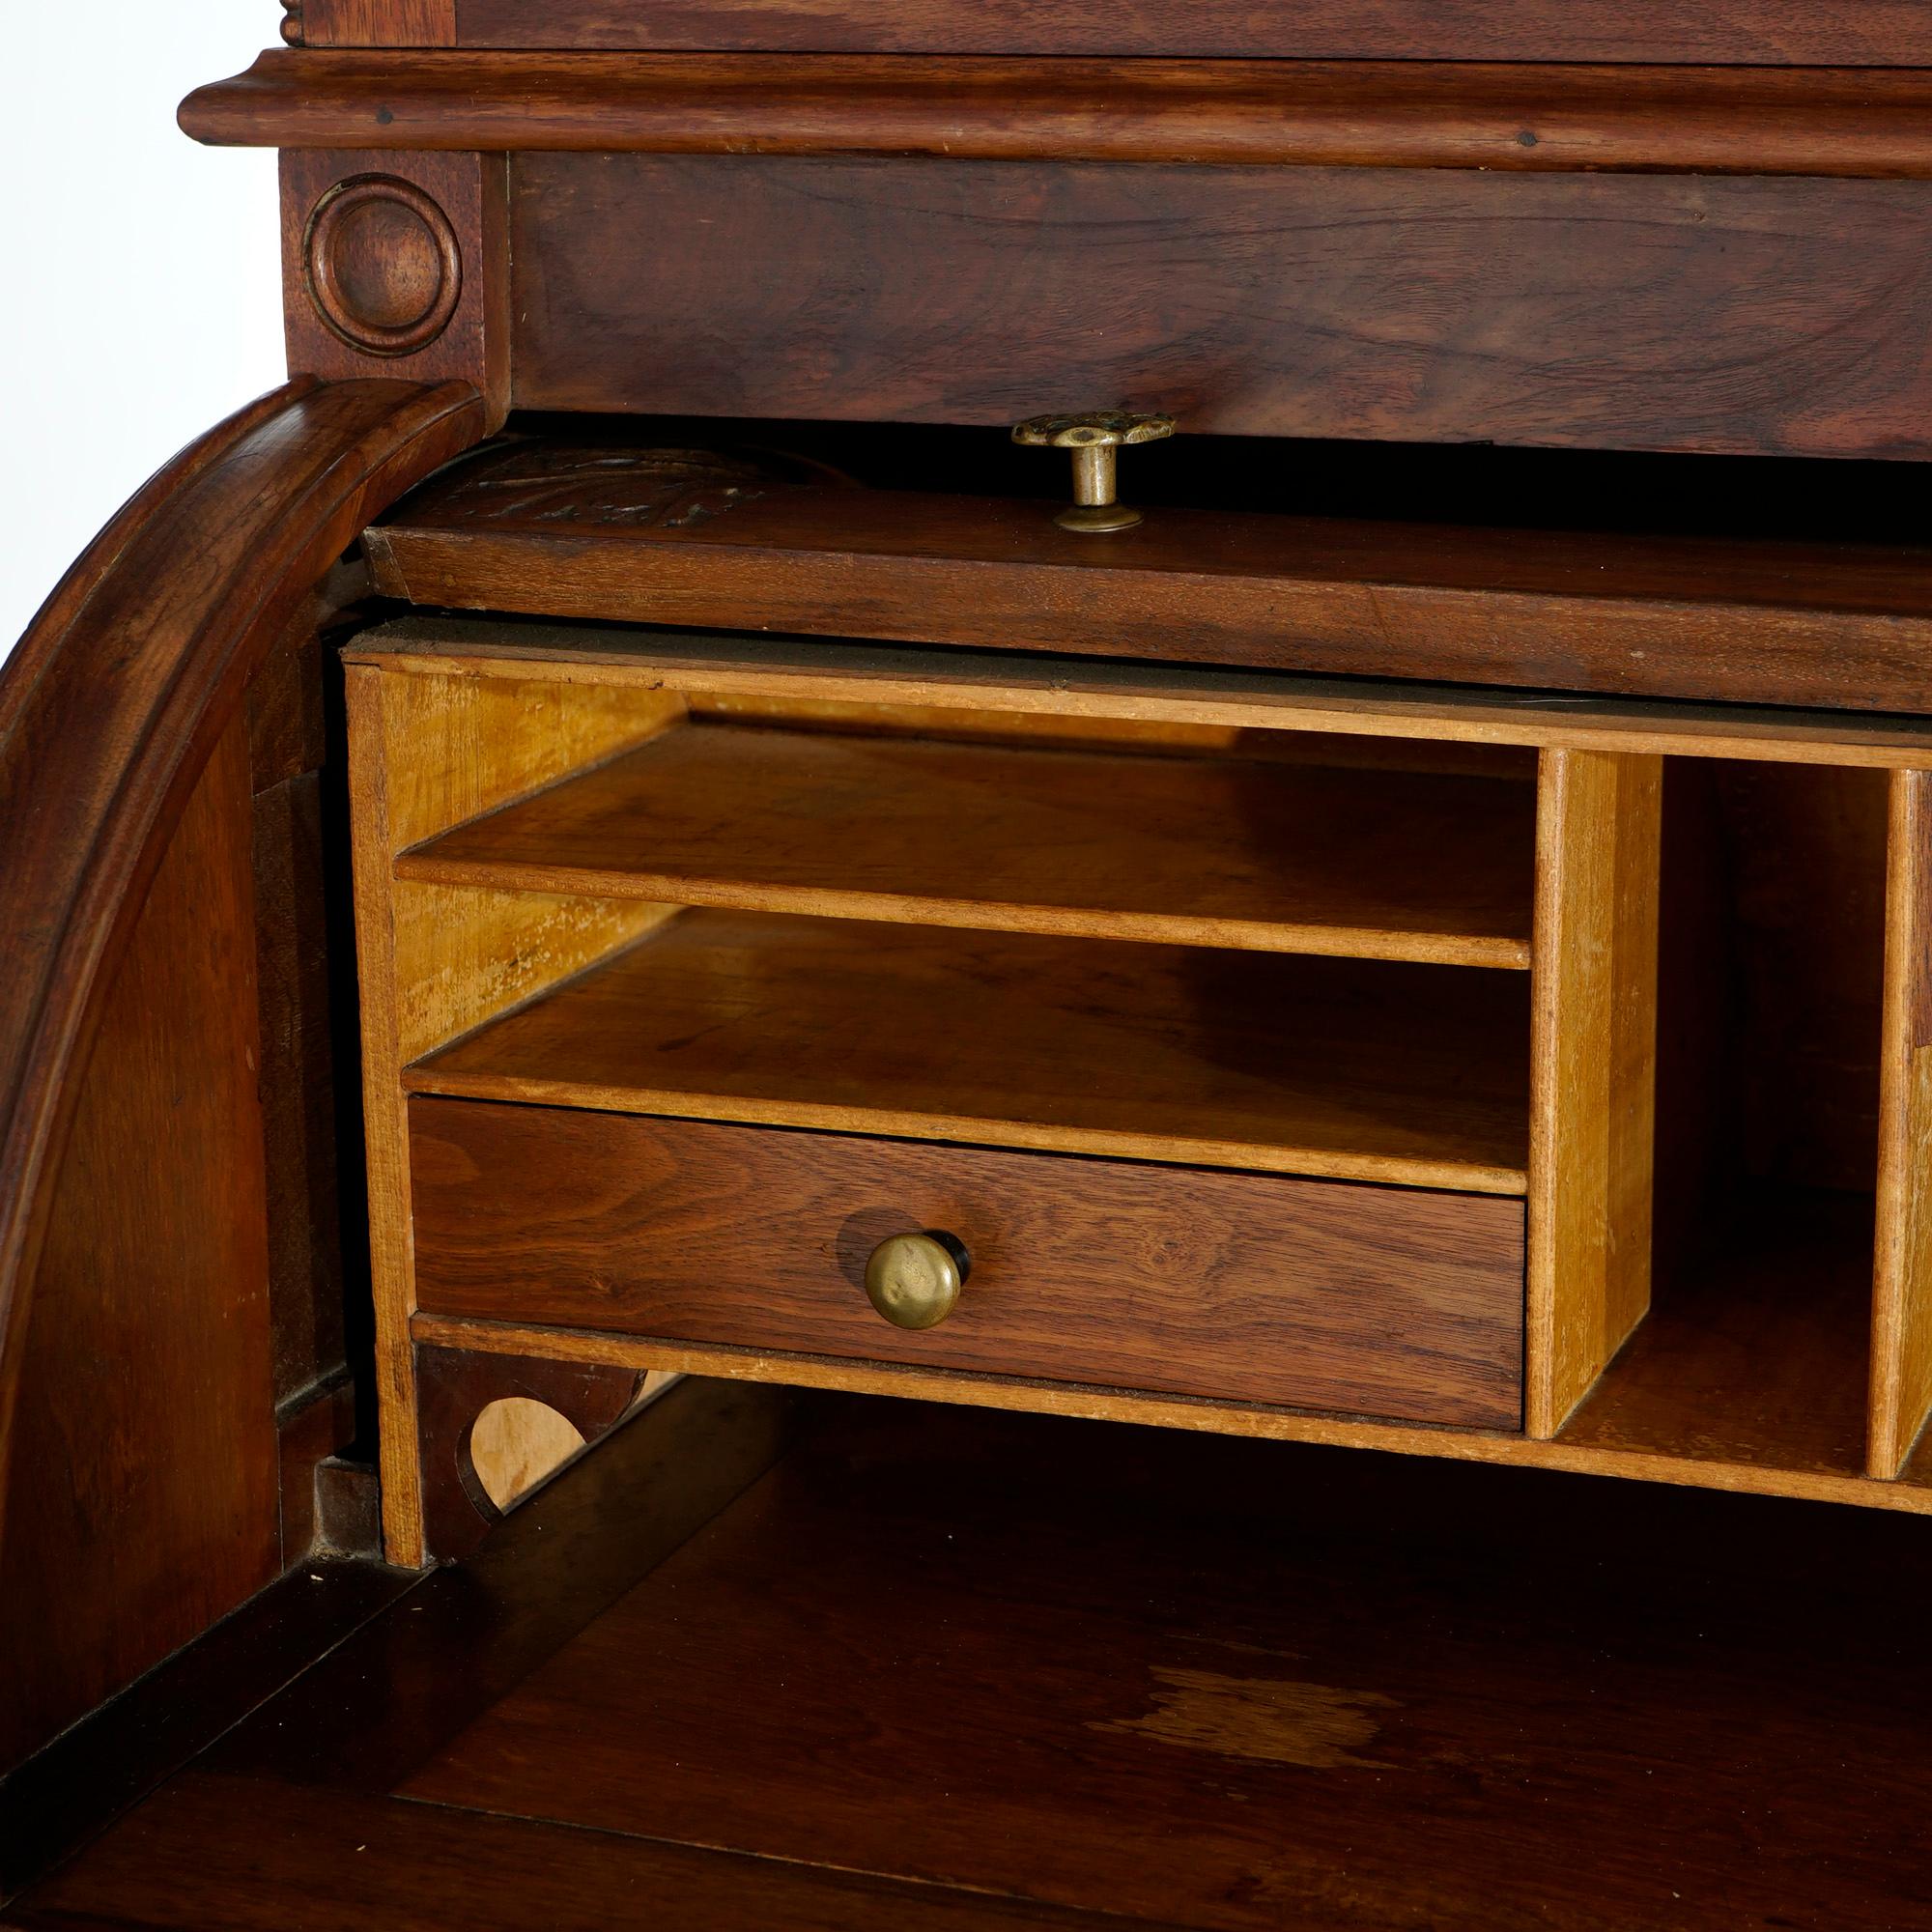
(1359, 1071)
(1213, 850)
(1755, 1351)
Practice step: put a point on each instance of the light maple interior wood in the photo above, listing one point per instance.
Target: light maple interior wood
(1901, 1380)
(1359, 1071)
(1225, 852)
(1593, 1070)
(1062, 932)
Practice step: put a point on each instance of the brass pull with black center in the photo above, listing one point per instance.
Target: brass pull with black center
(1094, 439)
(914, 1280)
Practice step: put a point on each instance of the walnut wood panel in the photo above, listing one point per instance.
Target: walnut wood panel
(108, 711)
(1901, 1357)
(144, 1502)
(1179, 702)
(1256, 853)
(376, 23)
(1456, 1719)
(1500, 118)
(1399, 305)
(573, 533)
(413, 283)
(352, 1862)
(1593, 1067)
(1344, 1068)
(1875, 33)
(1241, 1287)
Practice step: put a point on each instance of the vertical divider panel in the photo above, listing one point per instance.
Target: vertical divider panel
(1593, 1064)
(1901, 1359)
(426, 752)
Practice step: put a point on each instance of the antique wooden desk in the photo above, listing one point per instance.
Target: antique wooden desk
(1423, 940)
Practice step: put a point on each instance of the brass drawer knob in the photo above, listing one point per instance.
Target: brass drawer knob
(914, 1280)
(1094, 439)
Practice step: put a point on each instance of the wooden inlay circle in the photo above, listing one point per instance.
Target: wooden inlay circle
(382, 265)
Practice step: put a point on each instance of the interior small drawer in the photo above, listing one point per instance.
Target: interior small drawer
(1398, 1302)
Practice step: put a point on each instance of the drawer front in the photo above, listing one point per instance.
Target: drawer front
(1244, 1288)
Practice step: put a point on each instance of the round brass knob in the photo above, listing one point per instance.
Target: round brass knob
(914, 1280)
(1094, 439)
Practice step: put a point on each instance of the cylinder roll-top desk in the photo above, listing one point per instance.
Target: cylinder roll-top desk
(1214, 715)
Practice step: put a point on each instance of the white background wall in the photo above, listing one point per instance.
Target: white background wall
(139, 292)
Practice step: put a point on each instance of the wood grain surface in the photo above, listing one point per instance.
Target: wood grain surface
(1342, 1697)
(1593, 1070)
(1660, 616)
(1242, 1287)
(1261, 854)
(1497, 117)
(1873, 33)
(146, 1505)
(1342, 1069)
(1747, 316)
(1901, 1378)
(787, 671)
(434, 961)
(131, 1177)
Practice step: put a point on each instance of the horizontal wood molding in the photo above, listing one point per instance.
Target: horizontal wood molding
(1113, 1404)
(1761, 32)
(1405, 114)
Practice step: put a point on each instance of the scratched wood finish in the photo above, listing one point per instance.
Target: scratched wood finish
(1292, 1720)
(1593, 1067)
(1901, 1362)
(1001, 1694)
(1242, 1287)
(562, 534)
(1500, 118)
(1252, 853)
(1337, 1067)
(1756, 317)
(1875, 33)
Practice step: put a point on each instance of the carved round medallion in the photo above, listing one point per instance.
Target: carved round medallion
(383, 266)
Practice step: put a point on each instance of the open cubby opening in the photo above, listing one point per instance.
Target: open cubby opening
(1757, 1345)
(1302, 953)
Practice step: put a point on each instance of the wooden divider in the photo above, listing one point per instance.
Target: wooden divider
(1901, 1360)
(426, 754)
(1593, 1059)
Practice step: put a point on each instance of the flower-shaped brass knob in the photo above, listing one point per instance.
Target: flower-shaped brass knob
(1094, 439)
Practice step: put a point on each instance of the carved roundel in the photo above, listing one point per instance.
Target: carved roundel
(382, 265)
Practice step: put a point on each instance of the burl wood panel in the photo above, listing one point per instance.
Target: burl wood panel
(1355, 1069)
(1251, 1289)
(141, 1503)
(1754, 316)
(1254, 853)
(1876, 32)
